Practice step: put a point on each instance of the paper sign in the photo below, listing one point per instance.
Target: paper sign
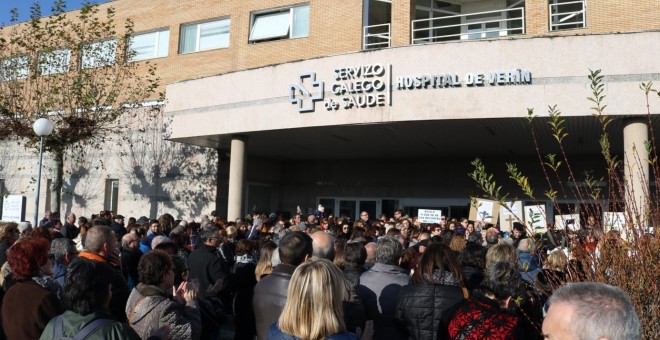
(484, 210)
(535, 218)
(570, 221)
(508, 217)
(13, 208)
(429, 216)
(614, 221)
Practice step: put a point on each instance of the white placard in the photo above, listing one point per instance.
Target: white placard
(570, 221)
(508, 217)
(535, 218)
(429, 216)
(614, 221)
(13, 208)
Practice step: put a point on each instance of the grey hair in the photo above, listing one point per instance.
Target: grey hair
(388, 250)
(600, 311)
(207, 233)
(60, 247)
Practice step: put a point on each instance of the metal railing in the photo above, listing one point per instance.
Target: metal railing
(469, 26)
(376, 36)
(567, 15)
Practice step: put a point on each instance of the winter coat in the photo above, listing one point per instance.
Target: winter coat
(149, 308)
(270, 296)
(483, 318)
(379, 291)
(274, 333)
(427, 308)
(59, 272)
(207, 268)
(472, 277)
(245, 281)
(129, 265)
(74, 322)
(26, 309)
(528, 266)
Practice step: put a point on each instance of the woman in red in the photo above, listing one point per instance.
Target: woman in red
(33, 300)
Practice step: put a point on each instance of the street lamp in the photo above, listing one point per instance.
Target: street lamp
(42, 127)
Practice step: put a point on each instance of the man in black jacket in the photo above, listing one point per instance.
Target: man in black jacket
(270, 294)
(205, 266)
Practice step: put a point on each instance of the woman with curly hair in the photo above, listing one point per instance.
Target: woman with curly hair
(33, 300)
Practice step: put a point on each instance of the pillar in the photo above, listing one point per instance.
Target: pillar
(636, 169)
(236, 177)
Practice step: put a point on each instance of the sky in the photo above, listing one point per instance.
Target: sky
(23, 7)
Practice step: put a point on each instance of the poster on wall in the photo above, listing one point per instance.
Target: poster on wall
(429, 216)
(568, 221)
(535, 218)
(13, 208)
(614, 221)
(513, 214)
(484, 210)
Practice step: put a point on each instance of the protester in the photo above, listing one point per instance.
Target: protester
(34, 298)
(86, 299)
(591, 310)
(206, 266)
(427, 306)
(313, 309)
(155, 302)
(62, 252)
(130, 258)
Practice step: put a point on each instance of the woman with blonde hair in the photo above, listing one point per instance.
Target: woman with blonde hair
(313, 310)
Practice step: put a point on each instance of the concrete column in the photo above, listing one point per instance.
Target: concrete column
(636, 168)
(236, 177)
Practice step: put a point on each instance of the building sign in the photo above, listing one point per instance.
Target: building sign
(365, 86)
(13, 208)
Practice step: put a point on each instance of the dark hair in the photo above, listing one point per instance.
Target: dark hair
(245, 247)
(502, 279)
(27, 257)
(447, 235)
(474, 255)
(354, 255)
(437, 256)
(153, 266)
(41, 232)
(86, 286)
(294, 247)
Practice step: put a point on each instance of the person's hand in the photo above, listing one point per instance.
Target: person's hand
(113, 257)
(179, 293)
(368, 332)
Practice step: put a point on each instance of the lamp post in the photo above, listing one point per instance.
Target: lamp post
(42, 127)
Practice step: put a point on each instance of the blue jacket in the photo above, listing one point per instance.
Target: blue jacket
(59, 271)
(274, 333)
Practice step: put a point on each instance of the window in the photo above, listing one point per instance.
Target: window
(98, 54)
(111, 194)
(14, 68)
(567, 14)
(204, 36)
(54, 62)
(149, 45)
(287, 23)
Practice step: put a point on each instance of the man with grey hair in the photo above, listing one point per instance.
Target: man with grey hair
(323, 245)
(379, 288)
(591, 310)
(62, 252)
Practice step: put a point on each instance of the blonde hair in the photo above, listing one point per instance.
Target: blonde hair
(501, 253)
(313, 310)
(264, 265)
(557, 260)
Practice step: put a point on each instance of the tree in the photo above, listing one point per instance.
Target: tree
(628, 257)
(75, 69)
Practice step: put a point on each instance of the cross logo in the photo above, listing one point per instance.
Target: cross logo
(302, 97)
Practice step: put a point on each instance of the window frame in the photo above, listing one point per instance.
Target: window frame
(198, 35)
(94, 63)
(64, 66)
(15, 73)
(290, 11)
(156, 44)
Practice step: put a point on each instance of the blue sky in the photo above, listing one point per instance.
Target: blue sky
(23, 7)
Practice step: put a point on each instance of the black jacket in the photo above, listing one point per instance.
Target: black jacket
(426, 309)
(472, 277)
(69, 231)
(270, 296)
(207, 268)
(129, 265)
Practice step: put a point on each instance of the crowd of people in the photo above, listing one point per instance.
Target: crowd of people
(307, 277)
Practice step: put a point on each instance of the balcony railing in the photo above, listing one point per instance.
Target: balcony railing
(469, 26)
(376, 36)
(567, 15)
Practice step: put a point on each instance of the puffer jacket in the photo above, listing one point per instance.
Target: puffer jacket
(270, 296)
(150, 308)
(427, 308)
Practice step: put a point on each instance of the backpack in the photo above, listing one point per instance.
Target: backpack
(91, 327)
